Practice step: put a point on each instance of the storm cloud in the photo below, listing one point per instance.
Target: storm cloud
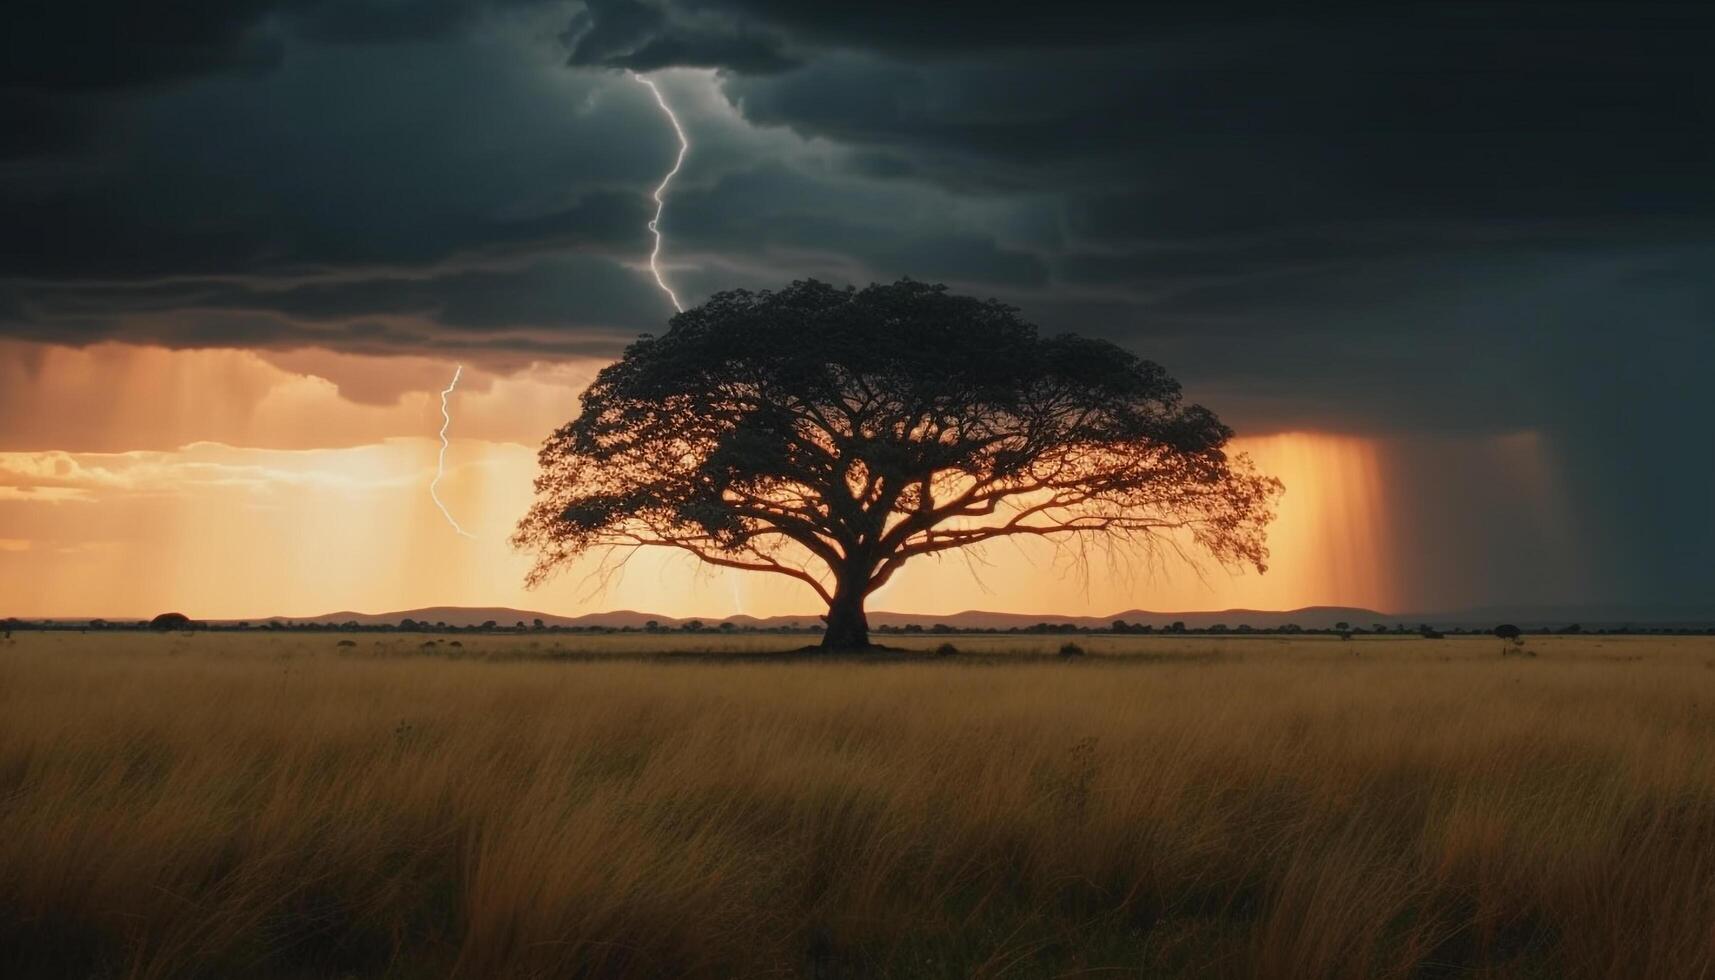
(1417, 220)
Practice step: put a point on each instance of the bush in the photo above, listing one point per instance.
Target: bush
(1071, 650)
(171, 621)
(946, 650)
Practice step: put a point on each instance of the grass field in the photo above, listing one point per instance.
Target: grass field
(277, 806)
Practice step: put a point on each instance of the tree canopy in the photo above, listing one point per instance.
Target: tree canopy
(831, 435)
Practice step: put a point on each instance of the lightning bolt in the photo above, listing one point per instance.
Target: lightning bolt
(441, 461)
(661, 190)
(654, 256)
(655, 253)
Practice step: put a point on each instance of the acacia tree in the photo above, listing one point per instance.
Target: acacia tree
(832, 435)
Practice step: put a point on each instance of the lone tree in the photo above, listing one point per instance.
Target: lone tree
(1512, 638)
(832, 435)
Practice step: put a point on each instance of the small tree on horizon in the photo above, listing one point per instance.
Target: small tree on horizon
(832, 435)
(171, 621)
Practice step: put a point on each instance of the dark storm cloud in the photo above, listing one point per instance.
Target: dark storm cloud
(85, 235)
(1243, 190)
(391, 177)
(641, 36)
(1149, 140)
(57, 45)
(1182, 168)
(913, 28)
(59, 58)
(774, 207)
(54, 45)
(395, 173)
(1421, 220)
(540, 293)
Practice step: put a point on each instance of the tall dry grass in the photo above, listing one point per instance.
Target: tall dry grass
(278, 807)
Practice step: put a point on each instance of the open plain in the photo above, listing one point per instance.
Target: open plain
(280, 805)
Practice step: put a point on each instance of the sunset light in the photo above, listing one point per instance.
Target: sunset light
(701, 489)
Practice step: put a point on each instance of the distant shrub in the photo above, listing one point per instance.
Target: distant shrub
(946, 650)
(1071, 650)
(346, 643)
(1512, 641)
(170, 621)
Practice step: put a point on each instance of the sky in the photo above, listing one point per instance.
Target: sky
(1448, 270)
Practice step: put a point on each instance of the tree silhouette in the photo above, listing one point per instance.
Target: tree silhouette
(1511, 636)
(831, 435)
(171, 621)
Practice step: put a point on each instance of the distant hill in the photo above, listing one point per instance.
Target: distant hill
(1590, 617)
(1309, 617)
(1313, 617)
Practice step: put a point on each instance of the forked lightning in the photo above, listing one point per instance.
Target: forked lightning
(661, 191)
(441, 461)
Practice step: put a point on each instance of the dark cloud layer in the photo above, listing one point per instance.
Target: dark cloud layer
(640, 36)
(1426, 218)
(52, 45)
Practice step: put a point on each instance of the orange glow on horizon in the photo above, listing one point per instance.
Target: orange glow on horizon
(224, 485)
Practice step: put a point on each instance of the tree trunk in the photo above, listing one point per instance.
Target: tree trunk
(848, 628)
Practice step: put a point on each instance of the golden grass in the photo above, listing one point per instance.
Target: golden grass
(277, 806)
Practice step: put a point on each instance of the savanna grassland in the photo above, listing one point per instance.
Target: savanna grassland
(277, 806)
